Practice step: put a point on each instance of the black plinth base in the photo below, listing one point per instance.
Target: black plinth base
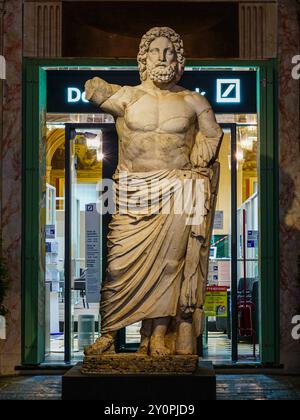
(197, 386)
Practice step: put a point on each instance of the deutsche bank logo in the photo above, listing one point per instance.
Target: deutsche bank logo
(229, 91)
(89, 207)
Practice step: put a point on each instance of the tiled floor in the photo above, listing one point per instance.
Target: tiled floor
(219, 349)
(229, 387)
(30, 388)
(257, 387)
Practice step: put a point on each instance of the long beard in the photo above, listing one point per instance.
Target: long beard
(163, 74)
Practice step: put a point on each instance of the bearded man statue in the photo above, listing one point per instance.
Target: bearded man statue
(158, 259)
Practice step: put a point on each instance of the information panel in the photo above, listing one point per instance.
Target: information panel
(93, 253)
(216, 301)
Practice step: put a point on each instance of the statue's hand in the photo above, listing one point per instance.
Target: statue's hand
(97, 90)
(186, 308)
(202, 153)
(205, 153)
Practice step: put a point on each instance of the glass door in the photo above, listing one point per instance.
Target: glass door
(84, 232)
(232, 302)
(248, 239)
(219, 343)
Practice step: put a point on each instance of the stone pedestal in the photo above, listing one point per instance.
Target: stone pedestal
(136, 363)
(199, 385)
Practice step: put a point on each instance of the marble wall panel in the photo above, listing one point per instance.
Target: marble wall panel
(10, 349)
(289, 161)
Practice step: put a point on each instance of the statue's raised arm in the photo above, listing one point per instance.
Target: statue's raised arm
(105, 95)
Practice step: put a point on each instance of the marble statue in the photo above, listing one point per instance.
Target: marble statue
(157, 262)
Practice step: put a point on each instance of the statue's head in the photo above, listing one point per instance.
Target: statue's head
(161, 56)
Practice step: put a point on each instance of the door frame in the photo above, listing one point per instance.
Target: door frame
(33, 167)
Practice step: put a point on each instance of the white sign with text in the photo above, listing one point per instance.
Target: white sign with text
(93, 253)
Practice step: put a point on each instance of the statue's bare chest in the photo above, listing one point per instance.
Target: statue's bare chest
(166, 113)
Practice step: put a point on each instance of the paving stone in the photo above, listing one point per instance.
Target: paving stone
(30, 388)
(229, 387)
(257, 387)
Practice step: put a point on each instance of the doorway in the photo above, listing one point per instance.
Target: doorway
(75, 235)
(237, 275)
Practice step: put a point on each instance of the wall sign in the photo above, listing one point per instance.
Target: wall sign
(253, 237)
(50, 231)
(219, 220)
(230, 92)
(93, 253)
(216, 303)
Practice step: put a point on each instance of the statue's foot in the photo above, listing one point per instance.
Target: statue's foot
(144, 346)
(157, 347)
(143, 349)
(104, 344)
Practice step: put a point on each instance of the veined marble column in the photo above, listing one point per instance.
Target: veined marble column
(10, 349)
(289, 161)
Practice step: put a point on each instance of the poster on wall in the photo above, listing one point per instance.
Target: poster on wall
(224, 273)
(253, 238)
(213, 273)
(50, 231)
(93, 253)
(219, 220)
(216, 302)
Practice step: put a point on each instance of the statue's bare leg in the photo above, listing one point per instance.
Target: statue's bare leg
(146, 331)
(104, 344)
(170, 337)
(185, 337)
(157, 340)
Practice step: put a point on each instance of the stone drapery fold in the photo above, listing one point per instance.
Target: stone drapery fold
(142, 281)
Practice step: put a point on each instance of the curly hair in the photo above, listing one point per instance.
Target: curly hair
(150, 36)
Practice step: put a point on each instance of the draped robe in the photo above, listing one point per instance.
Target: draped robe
(142, 282)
